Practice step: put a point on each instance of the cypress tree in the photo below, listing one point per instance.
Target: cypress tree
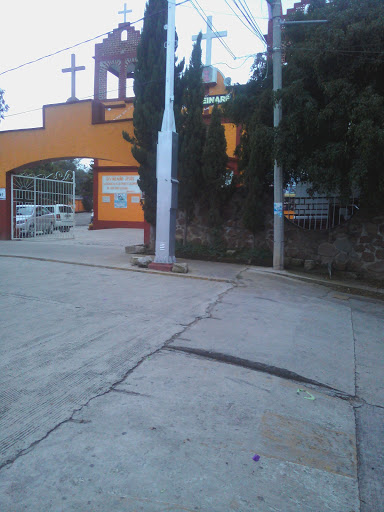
(148, 86)
(215, 172)
(149, 89)
(192, 136)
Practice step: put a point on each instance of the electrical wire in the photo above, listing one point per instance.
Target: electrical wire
(81, 43)
(242, 6)
(234, 67)
(226, 13)
(238, 17)
(204, 16)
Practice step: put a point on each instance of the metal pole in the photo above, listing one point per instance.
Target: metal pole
(13, 221)
(278, 217)
(166, 164)
(34, 202)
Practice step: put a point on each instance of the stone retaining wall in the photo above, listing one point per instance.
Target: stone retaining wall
(356, 246)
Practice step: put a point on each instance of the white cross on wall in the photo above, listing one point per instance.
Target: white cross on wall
(125, 12)
(73, 70)
(209, 36)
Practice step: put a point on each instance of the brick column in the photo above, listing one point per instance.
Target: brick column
(123, 79)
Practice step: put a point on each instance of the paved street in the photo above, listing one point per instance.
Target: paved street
(229, 389)
(83, 218)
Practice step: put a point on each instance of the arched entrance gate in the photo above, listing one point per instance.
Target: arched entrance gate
(83, 129)
(42, 207)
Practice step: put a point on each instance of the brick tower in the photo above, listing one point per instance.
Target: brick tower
(117, 54)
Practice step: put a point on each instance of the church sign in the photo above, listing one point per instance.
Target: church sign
(218, 98)
(124, 184)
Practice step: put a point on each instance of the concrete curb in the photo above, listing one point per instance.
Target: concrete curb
(362, 290)
(125, 269)
(350, 288)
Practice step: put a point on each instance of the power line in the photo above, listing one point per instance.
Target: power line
(238, 17)
(242, 6)
(80, 43)
(227, 13)
(204, 16)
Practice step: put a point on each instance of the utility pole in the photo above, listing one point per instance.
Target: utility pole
(166, 165)
(278, 213)
(278, 198)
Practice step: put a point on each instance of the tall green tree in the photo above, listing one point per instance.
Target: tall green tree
(192, 136)
(149, 89)
(252, 109)
(215, 172)
(332, 133)
(3, 106)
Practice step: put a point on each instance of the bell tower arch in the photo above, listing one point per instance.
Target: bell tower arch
(117, 54)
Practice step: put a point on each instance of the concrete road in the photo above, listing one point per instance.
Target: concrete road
(129, 391)
(83, 218)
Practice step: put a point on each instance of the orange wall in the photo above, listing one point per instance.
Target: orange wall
(107, 211)
(67, 132)
(230, 135)
(79, 207)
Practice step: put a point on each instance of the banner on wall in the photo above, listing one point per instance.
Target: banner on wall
(120, 200)
(124, 184)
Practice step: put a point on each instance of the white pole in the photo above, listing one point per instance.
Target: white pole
(166, 165)
(169, 117)
(278, 206)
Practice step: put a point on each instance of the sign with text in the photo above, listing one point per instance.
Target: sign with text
(124, 184)
(218, 98)
(2, 193)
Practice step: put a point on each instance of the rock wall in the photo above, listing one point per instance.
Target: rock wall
(356, 246)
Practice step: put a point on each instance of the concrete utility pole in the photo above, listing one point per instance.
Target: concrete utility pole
(166, 166)
(278, 213)
(278, 205)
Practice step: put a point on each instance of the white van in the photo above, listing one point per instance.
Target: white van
(64, 216)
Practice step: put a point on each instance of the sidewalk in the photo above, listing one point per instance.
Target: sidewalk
(239, 389)
(105, 248)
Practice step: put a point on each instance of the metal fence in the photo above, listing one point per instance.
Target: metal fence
(43, 207)
(318, 213)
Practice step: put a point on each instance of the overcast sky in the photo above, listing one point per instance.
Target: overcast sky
(33, 28)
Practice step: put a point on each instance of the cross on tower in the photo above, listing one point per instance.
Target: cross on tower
(209, 36)
(125, 11)
(73, 70)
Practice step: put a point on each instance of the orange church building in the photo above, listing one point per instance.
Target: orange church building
(93, 129)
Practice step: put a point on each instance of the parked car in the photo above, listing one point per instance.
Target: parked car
(64, 216)
(31, 219)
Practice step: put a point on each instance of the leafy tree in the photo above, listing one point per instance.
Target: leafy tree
(252, 108)
(332, 133)
(51, 168)
(3, 106)
(192, 136)
(149, 89)
(83, 177)
(215, 170)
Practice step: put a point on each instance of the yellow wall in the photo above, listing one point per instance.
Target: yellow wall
(230, 135)
(107, 211)
(79, 207)
(68, 132)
